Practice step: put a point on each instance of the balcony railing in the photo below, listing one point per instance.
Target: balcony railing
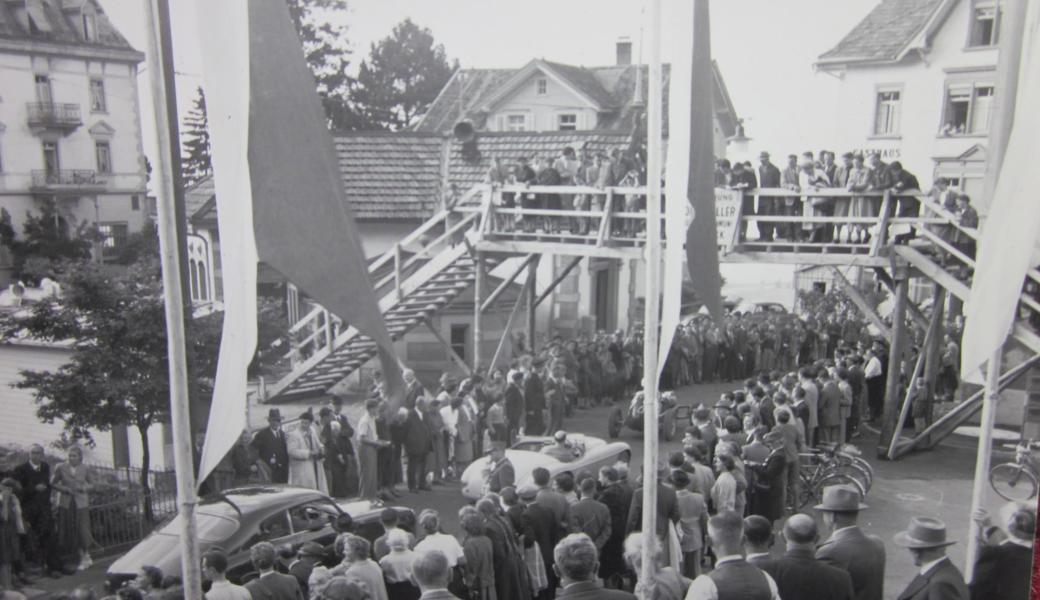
(54, 115)
(68, 179)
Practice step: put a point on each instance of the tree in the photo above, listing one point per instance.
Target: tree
(323, 33)
(401, 78)
(196, 162)
(117, 373)
(47, 240)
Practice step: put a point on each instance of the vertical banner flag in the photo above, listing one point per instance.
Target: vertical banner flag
(226, 81)
(303, 227)
(1012, 227)
(679, 37)
(702, 254)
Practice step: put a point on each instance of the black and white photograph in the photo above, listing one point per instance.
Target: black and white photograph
(544, 300)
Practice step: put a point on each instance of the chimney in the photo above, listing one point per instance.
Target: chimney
(624, 52)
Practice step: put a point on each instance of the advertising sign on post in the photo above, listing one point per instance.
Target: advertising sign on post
(727, 214)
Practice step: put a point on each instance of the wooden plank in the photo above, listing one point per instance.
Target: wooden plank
(517, 247)
(454, 356)
(556, 281)
(915, 313)
(881, 238)
(933, 271)
(508, 329)
(895, 358)
(934, 331)
(861, 303)
(502, 287)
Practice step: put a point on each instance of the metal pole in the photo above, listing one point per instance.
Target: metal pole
(174, 308)
(983, 456)
(890, 412)
(651, 308)
(532, 303)
(478, 299)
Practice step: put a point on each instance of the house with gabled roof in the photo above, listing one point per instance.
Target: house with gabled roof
(917, 83)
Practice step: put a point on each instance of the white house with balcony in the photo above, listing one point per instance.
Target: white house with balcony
(70, 132)
(917, 84)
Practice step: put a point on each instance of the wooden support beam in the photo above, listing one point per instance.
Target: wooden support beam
(880, 239)
(604, 225)
(934, 331)
(478, 326)
(560, 248)
(502, 287)
(962, 412)
(532, 275)
(454, 356)
(915, 313)
(861, 303)
(895, 358)
(507, 332)
(556, 281)
(933, 271)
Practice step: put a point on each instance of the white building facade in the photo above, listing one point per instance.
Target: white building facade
(70, 133)
(918, 85)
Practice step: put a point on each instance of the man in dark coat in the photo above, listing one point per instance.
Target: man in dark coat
(270, 585)
(829, 409)
(744, 179)
(1003, 567)
(501, 474)
(615, 498)
(308, 556)
(271, 446)
(798, 574)
(346, 444)
(590, 516)
(667, 508)
(534, 400)
(507, 557)
(514, 397)
(417, 445)
(575, 561)
(34, 475)
(848, 547)
(543, 528)
(413, 389)
(768, 177)
(925, 538)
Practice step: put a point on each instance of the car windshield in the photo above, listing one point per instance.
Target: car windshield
(211, 528)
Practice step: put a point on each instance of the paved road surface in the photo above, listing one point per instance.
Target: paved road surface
(935, 484)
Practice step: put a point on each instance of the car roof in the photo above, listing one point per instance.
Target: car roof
(249, 498)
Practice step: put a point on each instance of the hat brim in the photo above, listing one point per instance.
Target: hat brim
(826, 508)
(904, 540)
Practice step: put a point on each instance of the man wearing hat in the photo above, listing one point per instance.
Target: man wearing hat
(500, 472)
(938, 577)
(306, 456)
(1006, 553)
(271, 445)
(768, 177)
(560, 449)
(309, 555)
(848, 547)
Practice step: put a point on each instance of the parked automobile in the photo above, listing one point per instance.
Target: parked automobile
(670, 415)
(239, 518)
(590, 454)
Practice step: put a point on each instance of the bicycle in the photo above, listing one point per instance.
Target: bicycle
(826, 467)
(1016, 481)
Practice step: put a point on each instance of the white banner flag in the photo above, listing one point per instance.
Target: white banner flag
(224, 36)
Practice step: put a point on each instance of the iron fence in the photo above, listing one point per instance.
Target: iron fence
(122, 512)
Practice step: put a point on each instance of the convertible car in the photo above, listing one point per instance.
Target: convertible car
(241, 517)
(671, 415)
(589, 455)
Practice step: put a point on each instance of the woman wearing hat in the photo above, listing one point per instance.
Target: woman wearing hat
(72, 479)
(925, 538)
(11, 526)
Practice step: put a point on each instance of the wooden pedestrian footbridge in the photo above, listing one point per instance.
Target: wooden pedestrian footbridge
(903, 237)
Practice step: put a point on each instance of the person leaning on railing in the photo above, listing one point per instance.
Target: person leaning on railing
(860, 179)
(904, 185)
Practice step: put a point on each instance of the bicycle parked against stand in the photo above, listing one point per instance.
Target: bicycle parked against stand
(1017, 481)
(829, 465)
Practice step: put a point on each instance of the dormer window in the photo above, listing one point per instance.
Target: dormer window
(542, 86)
(89, 27)
(985, 24)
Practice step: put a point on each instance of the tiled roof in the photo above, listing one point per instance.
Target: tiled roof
(390, 175)
(884, 33)
(614, 87)
(511, 146)
(58, 21)
(196, 197)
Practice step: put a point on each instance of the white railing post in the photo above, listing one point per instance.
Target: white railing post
(397, 269)
(328, 329)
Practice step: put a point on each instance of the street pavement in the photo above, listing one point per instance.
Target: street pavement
(936, 483)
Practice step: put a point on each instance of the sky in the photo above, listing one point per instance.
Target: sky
(765, 48)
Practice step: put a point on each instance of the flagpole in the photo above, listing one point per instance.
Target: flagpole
(1008, 66)
(652, 302)
(174, 306)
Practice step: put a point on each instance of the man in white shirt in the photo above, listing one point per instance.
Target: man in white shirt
(874, 377)
(214, 567)
(812, 400)
(733, 578)
(447, 545)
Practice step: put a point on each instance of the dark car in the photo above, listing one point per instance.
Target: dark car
(242, 517)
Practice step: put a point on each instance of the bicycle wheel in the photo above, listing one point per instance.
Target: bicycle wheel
(859, 462)
(851, 470)
(1013, 482)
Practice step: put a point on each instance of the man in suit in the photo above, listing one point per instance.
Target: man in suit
(431, 571)
(541, 526)
(1006, 555)
(613, 496)
(798, 574)
(576, 564)
(758, 540)
(307, 557)
(549, 497)
(848, 547)
(534, 398)
(345, 435)
(271, 445)
(270, 585)
(500, 473)
(514, 398)
(744, 180)
(830, 409)
(792, 205)
(937, 578)
(34, 475)
(417, 445)
(590, 516)
(709, 435)
(413, 389)
(768, 177)
(667, 507)
(555, 396)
